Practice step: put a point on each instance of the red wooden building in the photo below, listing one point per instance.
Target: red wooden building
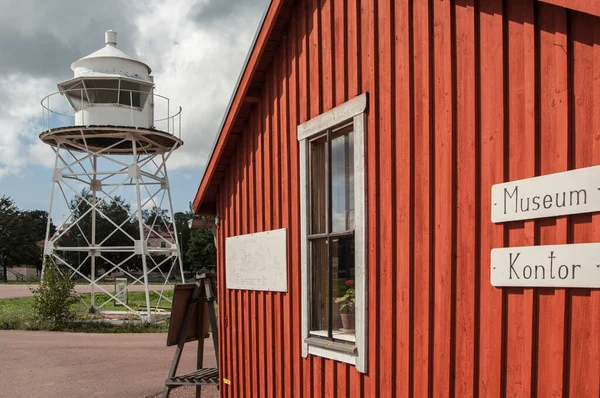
(373, 132)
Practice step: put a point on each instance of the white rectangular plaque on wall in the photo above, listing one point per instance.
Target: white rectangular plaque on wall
(575, 265)
(257, 261)
(570, 192)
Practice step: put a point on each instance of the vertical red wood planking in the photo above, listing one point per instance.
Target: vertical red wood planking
(262, 380)
(402, 197)
(254, 355)
(465, 186)
(223, 326)
(247, 295)
(314, 59)
(422, 198)
(385, 183)
(229, 218)
(222, 300)
(521, 139)
(237, 381)
(286, 306)
(492, 172)
(237, 330)
(277, 177)
(370, 83)
(269, 221)
(354, 88)
(585, 346)
(314, 108)
(303, 115)
(294, 208)
(339, 73)
(354, 48)
(443, 210)
(327, 92)
(461, 95)
(554, 157)
(340, 57)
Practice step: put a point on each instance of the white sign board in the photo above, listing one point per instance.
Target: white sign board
(257, 261)
(576, 265)
(120, 291)
(569, 192)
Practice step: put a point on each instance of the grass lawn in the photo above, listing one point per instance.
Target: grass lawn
(17, 313)
(136, 300)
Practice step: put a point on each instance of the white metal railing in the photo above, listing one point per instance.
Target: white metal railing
(60, 111)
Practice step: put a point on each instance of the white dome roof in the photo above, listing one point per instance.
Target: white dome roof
(108, 51)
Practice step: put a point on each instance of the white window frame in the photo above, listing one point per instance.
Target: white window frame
(353, 110)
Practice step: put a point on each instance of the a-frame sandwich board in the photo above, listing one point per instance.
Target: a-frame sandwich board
(188, 323)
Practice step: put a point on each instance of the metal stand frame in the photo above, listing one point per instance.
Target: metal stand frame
(202, 376)
(140, 175)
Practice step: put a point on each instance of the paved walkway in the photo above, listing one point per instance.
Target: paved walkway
(54, 364)
(25, 290)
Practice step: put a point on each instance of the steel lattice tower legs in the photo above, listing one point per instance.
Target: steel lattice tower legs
(97, 178)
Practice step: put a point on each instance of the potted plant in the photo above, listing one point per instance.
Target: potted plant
(347, 306)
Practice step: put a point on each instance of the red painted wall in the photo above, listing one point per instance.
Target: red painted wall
(463, 94)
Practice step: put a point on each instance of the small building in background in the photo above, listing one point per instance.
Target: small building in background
(23, 273)
(365, 246)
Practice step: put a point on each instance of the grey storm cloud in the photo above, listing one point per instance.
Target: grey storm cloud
(195, 48)
(42, 38)
(215, 12)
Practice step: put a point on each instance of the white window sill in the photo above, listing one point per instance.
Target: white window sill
(330, 354)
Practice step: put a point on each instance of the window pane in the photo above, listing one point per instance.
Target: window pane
(318, 185)
(102, 91)
(342, 253)
(319, 284)
(74, 94)
(342, 175)
(133, 92)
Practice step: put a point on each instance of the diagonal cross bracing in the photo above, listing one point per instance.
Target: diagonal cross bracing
(78, 172)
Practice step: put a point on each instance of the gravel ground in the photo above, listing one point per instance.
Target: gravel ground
(185, 392)
(73, 365)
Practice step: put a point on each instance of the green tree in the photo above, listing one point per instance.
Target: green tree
(184, 232)
(9, 235)
(156, 216)
(32, 226)
(201, 252)
(20, 231)
(118, 211)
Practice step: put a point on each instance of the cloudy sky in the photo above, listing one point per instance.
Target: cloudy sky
(195, 48)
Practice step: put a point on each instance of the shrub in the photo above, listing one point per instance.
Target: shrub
(55, 296)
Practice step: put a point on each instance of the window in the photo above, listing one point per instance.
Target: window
(133, 93)
(102, 91)
(163, 244)
(333, 234)
(75, 94)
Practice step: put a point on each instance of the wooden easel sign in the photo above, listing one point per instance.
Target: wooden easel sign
(181, 297)
(191, 304)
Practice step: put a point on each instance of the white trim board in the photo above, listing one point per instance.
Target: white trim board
(337, 115)
(352, 110)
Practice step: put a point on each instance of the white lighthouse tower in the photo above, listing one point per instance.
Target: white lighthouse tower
(111, 150)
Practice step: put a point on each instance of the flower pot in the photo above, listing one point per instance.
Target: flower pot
(348, 321)
(337, 318)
